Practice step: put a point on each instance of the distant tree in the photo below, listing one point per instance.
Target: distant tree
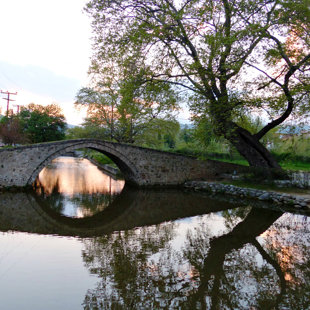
(42, 123)
(203, 132)
(159, 134)
(186, 134)
(88, 130)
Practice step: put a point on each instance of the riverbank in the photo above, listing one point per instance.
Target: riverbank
(113, 172)
(297, 201)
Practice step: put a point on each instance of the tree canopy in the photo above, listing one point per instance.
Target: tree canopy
(232, 57)
(125, 106)
(42, 123)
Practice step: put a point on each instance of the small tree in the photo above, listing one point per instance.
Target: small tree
(11, 131)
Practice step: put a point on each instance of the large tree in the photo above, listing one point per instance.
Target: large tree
(231, 56)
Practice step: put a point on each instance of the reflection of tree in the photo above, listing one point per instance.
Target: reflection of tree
(232, 276)
(234, 216)
(54, 199)
(140, 269)
(121, 261)
(287, 242)
(92, 204)
(86, 205)
(224, 266)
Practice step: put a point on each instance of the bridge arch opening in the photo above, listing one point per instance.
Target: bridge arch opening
(93, 191)
(126, 167)
(74, 186)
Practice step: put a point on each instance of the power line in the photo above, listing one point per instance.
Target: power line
(8, 100)
(14, 83)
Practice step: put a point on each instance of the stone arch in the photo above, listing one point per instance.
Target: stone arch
(128, 169)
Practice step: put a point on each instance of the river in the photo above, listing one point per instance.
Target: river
(84, 240)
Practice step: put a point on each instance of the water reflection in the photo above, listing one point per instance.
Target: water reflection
(132, 208)
(77, 188)
(153, 268)
(171, 249)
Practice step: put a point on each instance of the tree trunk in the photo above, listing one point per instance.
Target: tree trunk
(252, 150)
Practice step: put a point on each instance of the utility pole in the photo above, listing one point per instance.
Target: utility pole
(8, 100)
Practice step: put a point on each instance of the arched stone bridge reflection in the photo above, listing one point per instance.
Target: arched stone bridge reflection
(27, 212)
(19, 166)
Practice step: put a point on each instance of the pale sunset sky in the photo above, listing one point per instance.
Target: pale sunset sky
(45, 52)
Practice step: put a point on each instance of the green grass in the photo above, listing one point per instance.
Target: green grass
(288, 161)
(287, 165)
(102, 159)
(295, 165)
(242, 162)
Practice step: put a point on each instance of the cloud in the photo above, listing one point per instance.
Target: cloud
(41, 86)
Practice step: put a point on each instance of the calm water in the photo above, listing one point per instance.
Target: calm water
(82, 241)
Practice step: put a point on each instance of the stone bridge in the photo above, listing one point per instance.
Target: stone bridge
(19, 166)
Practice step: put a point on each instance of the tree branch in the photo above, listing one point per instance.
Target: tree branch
(275, 265)
(171, 82)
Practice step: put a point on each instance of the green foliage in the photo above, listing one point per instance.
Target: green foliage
(98, 157)
(204, 132)
(126, 106)
(186, 134)
(101, 158)
(88, 131)
(292, 152)
(159, 134)
(294, 146)
(42, 123)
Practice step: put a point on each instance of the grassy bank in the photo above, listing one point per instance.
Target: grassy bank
(286, 160)
(287, 165)
(101, 158)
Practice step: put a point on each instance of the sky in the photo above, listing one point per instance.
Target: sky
(45, 52)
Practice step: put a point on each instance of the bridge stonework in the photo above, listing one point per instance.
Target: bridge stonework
(143, 167)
